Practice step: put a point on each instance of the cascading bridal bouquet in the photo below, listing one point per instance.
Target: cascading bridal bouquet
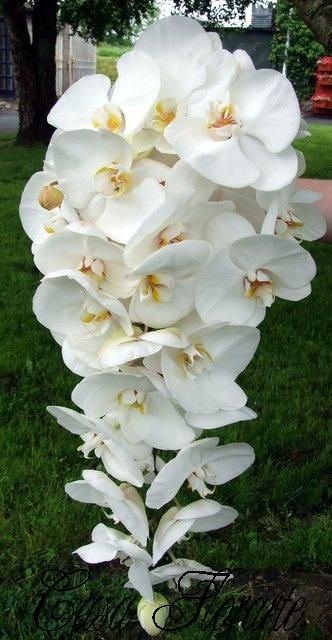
(165, 221)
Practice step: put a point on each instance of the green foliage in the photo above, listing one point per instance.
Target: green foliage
(93, 19)
(104, 50)
(216, 13)
(317, 152)
(107, 58)
(303, 52)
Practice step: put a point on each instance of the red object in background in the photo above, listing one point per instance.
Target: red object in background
(322, 98)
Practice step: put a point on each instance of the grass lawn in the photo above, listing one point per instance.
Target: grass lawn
(317, 151)
(282, 501)
(107, 57)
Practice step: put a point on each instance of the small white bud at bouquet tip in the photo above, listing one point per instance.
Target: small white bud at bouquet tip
(149, 613)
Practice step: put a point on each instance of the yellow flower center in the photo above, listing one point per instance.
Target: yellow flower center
(87, 317)
(195, 360)
(133, 399)
(289, 218)
(172, 234)
(152, 285)
(258, 285)
(110, 181)
(159, 287)
(108, 117)
(93, 268)
(165, 112)
(222, 115)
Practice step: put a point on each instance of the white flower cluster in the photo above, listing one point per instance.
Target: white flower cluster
(165, 221)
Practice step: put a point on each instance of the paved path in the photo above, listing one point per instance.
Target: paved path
(9, 121)
(319, 120)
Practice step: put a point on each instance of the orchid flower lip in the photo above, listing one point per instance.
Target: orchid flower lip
(165, 113)
(194, 360)
(223, 119)
(111, 181)
(109, 117)
(258, 285)
(157, 286)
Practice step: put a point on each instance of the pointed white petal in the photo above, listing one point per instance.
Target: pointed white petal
(136, 89)
(75, 108)
(71, 420)
(81, 491)
(266, 99)
(139, 577)
(219, 418)
(97, 552)
(168, 532)
(226, 516)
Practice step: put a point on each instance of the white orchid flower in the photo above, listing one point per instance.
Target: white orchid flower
(44, 210)
(202, 376)
(87, 250)
(75, 109)
(183, 216)
(136, 89)
(121, 460)
(90, 104)
(89, 353)
(295, 215)
(180, 47)
(95, 172)
(125, 502)
(69, 302)
(164, 293)
(183, 572)
(106, 352)
(241, 281)
(202, 515)
(189, 60)
(233, 136)
(137, 407)
(109, 544)
(162, 227)
(201, 463)
(114, 348)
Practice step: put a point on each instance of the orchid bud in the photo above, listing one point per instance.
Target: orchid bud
(146, 611)
(50, 197)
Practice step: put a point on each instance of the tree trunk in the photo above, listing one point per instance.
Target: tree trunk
(44, 29)
(34, 66)
(317, 14)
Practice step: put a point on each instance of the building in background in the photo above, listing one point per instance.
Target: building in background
(256, 39)
(74, 58)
